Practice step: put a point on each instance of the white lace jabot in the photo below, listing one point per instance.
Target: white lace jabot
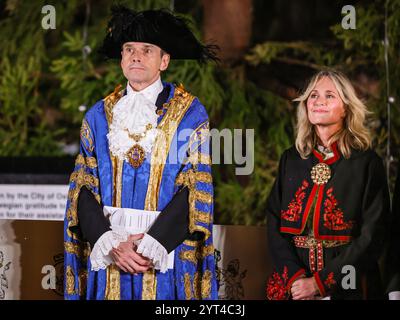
(132, 113)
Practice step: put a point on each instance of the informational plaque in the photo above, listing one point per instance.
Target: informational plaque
(33, 201)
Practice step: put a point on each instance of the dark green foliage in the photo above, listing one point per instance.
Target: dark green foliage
(45, 77)
(355, 52)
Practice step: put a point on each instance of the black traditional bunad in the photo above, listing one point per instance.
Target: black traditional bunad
(327, 218)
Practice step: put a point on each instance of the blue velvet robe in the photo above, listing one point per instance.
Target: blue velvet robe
(151, 187)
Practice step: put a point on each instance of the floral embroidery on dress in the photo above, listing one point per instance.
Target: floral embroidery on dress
(330, 281)
(277, 286)
(295, 207)
(333, 215)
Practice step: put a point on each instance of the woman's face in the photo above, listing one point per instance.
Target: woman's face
(324, 105)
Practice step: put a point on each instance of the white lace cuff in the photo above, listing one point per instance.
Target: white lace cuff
(100, 256)
(152, 249)
(394, 295)
(125, 222)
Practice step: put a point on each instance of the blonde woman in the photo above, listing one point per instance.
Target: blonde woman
(326, 213)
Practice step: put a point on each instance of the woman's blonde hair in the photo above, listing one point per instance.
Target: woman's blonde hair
(354, 133)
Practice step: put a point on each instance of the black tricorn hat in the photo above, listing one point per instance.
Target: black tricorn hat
(159, 27)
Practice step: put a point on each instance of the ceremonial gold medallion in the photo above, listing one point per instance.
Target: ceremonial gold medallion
(320, 173)
(136, 156)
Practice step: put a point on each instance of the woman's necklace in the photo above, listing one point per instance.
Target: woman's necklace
(136, 154)
(321, 172)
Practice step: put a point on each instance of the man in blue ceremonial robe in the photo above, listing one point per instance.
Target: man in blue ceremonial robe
(139, 213)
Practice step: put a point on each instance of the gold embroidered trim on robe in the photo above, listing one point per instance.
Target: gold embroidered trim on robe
(90, 162)
(203, 197)
(113, 283)
(70, 281)
(206, 284)
(111, 100)
(118, 166)
(86, 136)
(81, 178)
(187, 286)
(202, 285)
(197, 254)
(192, 243)
(203, 217)
(197, 286)
(176, 109)
(189, 178)
(82, 279)
(199, 158)
(81, 250)
(199, 136)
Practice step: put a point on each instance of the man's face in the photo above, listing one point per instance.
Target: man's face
(142, 63)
